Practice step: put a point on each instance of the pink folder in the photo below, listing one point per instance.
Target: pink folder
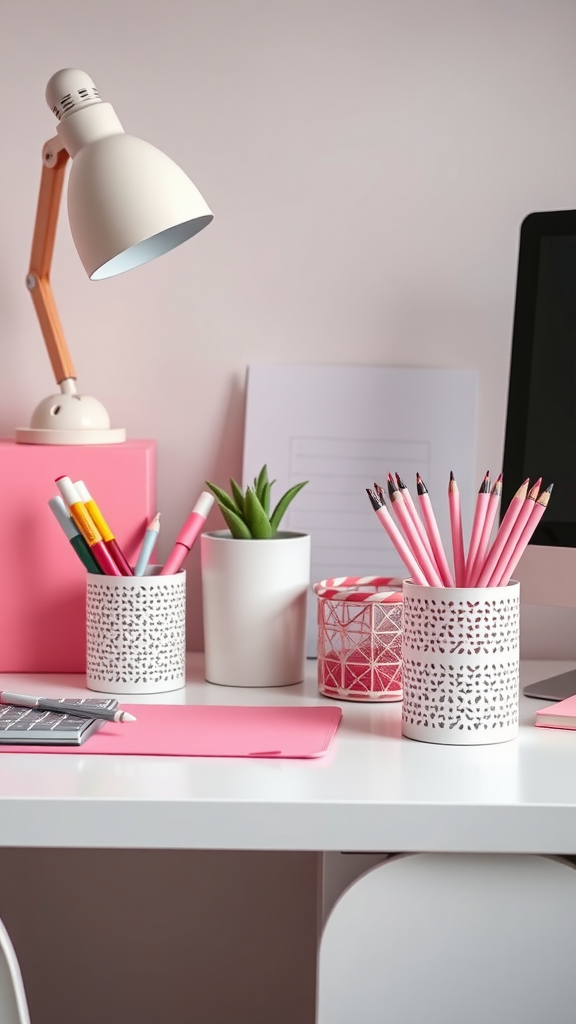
(190, 730)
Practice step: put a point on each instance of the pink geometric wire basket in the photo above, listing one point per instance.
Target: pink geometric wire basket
(360, 638)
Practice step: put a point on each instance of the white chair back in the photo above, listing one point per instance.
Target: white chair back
(448, 938)
(13, 1004)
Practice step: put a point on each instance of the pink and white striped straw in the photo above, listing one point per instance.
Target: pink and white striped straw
(349, 588)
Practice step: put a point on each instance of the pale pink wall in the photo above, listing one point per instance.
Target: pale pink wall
(368, 162)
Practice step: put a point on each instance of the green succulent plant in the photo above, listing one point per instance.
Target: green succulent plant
(247, 513)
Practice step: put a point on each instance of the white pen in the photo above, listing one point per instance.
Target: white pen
(22, 700)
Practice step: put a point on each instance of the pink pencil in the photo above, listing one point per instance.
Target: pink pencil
(536, 514)
(477, 525)
(418, 549)
(433, 532)
(510, 517)
(379, 506)
(486, 531)
(456, 531)
(413, 511)
(515, 534)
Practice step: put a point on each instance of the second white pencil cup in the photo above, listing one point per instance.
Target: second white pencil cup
(136, 632)
(460, 663)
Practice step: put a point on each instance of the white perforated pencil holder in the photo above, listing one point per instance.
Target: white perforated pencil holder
(136, 632)
(460, 664)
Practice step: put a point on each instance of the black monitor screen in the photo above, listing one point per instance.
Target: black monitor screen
(541, 417)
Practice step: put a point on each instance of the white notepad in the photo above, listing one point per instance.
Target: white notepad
(342, 428)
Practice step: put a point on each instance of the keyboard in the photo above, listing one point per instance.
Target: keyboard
(29, 726)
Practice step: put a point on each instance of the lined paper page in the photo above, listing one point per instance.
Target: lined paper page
(344, 427)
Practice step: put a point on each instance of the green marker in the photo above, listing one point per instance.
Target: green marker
(74, 536)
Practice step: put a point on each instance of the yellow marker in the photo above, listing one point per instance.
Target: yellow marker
(101, 524)
(87, 528)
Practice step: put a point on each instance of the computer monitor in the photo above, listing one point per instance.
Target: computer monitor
(541, 416)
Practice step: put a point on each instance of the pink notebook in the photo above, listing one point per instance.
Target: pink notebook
(190, 730)
(558, 716)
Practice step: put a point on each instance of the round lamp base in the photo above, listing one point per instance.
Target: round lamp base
(29, 435)
(69, 418)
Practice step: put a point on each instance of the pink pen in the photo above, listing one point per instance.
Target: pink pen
(188, 534)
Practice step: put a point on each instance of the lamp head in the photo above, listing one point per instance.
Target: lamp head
(127, 201)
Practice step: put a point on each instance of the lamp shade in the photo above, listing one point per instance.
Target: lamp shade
(127, 201)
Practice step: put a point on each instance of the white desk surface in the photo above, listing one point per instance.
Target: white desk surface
(373, 791)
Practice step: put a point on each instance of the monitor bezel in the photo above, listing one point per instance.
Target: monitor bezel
(534, 227)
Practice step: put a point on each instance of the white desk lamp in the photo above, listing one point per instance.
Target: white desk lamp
(127, 204)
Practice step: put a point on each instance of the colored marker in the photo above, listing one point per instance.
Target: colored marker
(76, 539)
(148, 544)
(101, 525)
(188, 534)
(85, 524)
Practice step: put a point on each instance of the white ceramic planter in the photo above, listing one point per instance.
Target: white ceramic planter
(254, 595)
(460, 663)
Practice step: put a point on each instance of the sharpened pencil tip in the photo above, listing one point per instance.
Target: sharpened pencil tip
(451, 475)
(544, 496)
(375, 500)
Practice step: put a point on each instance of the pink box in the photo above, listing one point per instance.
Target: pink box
(42, 581)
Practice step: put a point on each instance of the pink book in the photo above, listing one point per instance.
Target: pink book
(191, 730)
(558, 716)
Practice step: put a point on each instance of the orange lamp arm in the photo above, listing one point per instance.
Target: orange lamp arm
(38, 279)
